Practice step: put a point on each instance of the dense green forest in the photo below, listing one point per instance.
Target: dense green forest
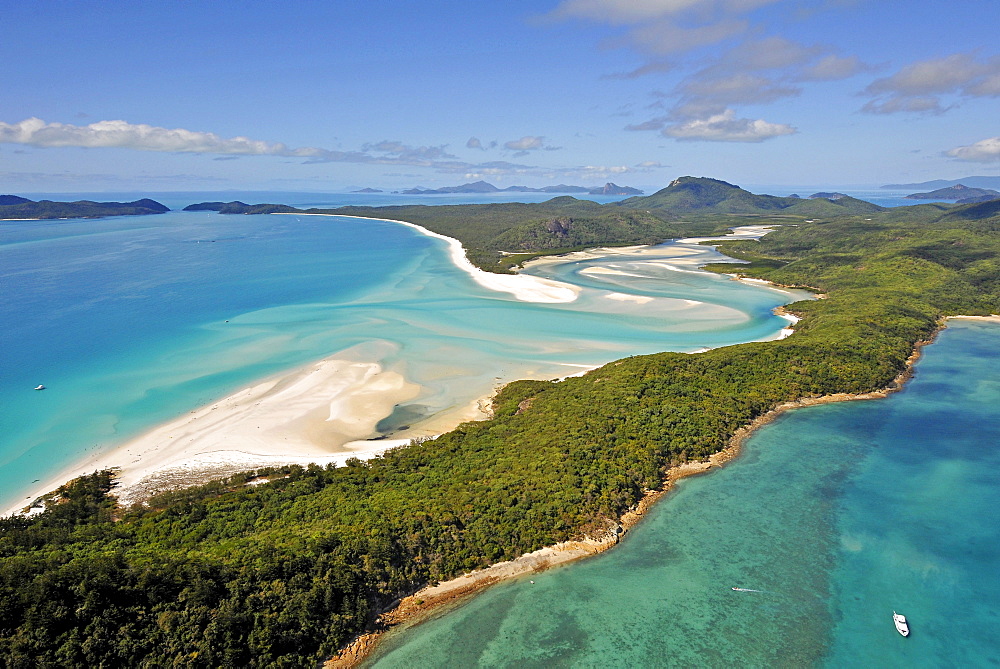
(285, 573)
(19, 207)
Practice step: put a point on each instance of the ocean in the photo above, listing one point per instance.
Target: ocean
(130, 322)
(833, 517)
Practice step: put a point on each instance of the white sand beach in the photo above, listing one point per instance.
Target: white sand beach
(325, 412)
(523, 287)
(322, 413)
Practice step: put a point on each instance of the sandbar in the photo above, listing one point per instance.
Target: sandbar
(521, 286)
(322, 413)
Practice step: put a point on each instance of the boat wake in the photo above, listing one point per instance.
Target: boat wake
(747, 590)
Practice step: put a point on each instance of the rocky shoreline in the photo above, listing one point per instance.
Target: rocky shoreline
(420, 605)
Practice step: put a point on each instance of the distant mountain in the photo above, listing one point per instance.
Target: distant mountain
(614, 189)
(13, 199)
(477, 187)
(972, 182)
(237, 207)
(563, 188)
(368, 190)
(711, 196)
(484, 187)
(960, 192)
(19, 207)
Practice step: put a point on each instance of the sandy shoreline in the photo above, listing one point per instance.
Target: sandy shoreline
(523, 287)
(321, 413)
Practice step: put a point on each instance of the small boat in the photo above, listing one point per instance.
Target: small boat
(39, 387)
(901, 625)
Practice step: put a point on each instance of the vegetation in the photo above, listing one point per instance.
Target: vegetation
(284, 573)
(81, 209)
(237, 207)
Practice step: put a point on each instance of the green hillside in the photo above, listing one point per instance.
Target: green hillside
(47, 209)
(710, 196)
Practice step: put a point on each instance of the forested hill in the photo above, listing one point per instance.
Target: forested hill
(688, 195)
(284, 573)
(499, 236)
(24, 208)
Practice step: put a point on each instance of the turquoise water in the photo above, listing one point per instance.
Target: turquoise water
(133, 321)
(838, 514)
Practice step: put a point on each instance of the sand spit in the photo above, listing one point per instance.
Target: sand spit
(523, 287)
(322, 413)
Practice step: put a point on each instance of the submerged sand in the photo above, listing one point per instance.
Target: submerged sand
(323, 413)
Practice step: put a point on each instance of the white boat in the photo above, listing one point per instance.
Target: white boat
(39, 387)
(900, 621)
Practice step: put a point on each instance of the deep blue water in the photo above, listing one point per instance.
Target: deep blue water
(837, 514)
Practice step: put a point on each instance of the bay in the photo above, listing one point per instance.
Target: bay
(130, 322)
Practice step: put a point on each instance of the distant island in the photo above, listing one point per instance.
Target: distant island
(368, 190)
(484, 187)
(16, 207)
(827, 196)
(961, 193)
(237, 207)
(972, 182)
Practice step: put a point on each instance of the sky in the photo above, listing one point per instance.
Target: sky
(343, 94)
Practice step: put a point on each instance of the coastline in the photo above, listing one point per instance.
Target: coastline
(523, 287)
(324, 412)
(418, 606)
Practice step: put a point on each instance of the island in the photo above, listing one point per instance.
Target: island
(368, 190)
(15, 207)
(237, 207)
(960, 193)
(293, 566)
(484, 187)
(972, 182)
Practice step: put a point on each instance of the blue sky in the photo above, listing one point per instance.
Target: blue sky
(335, 95)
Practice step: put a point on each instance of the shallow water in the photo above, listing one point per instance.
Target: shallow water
(132, 321)
(838, 514)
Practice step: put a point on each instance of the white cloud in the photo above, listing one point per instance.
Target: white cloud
(654, 67)
(737, 88)
(929, 104)
(770, 53)
(618, 12)
(725, 127)
(527, 143)
(832, 68)
(120, 134)
(917, 87)
(652, 124)
(142, 137)
(123, 135)
(627, 12)
(665, 37)
(983, 151)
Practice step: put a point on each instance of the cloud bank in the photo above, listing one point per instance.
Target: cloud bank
(919, 86)
(141, 137)
(983, 151)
